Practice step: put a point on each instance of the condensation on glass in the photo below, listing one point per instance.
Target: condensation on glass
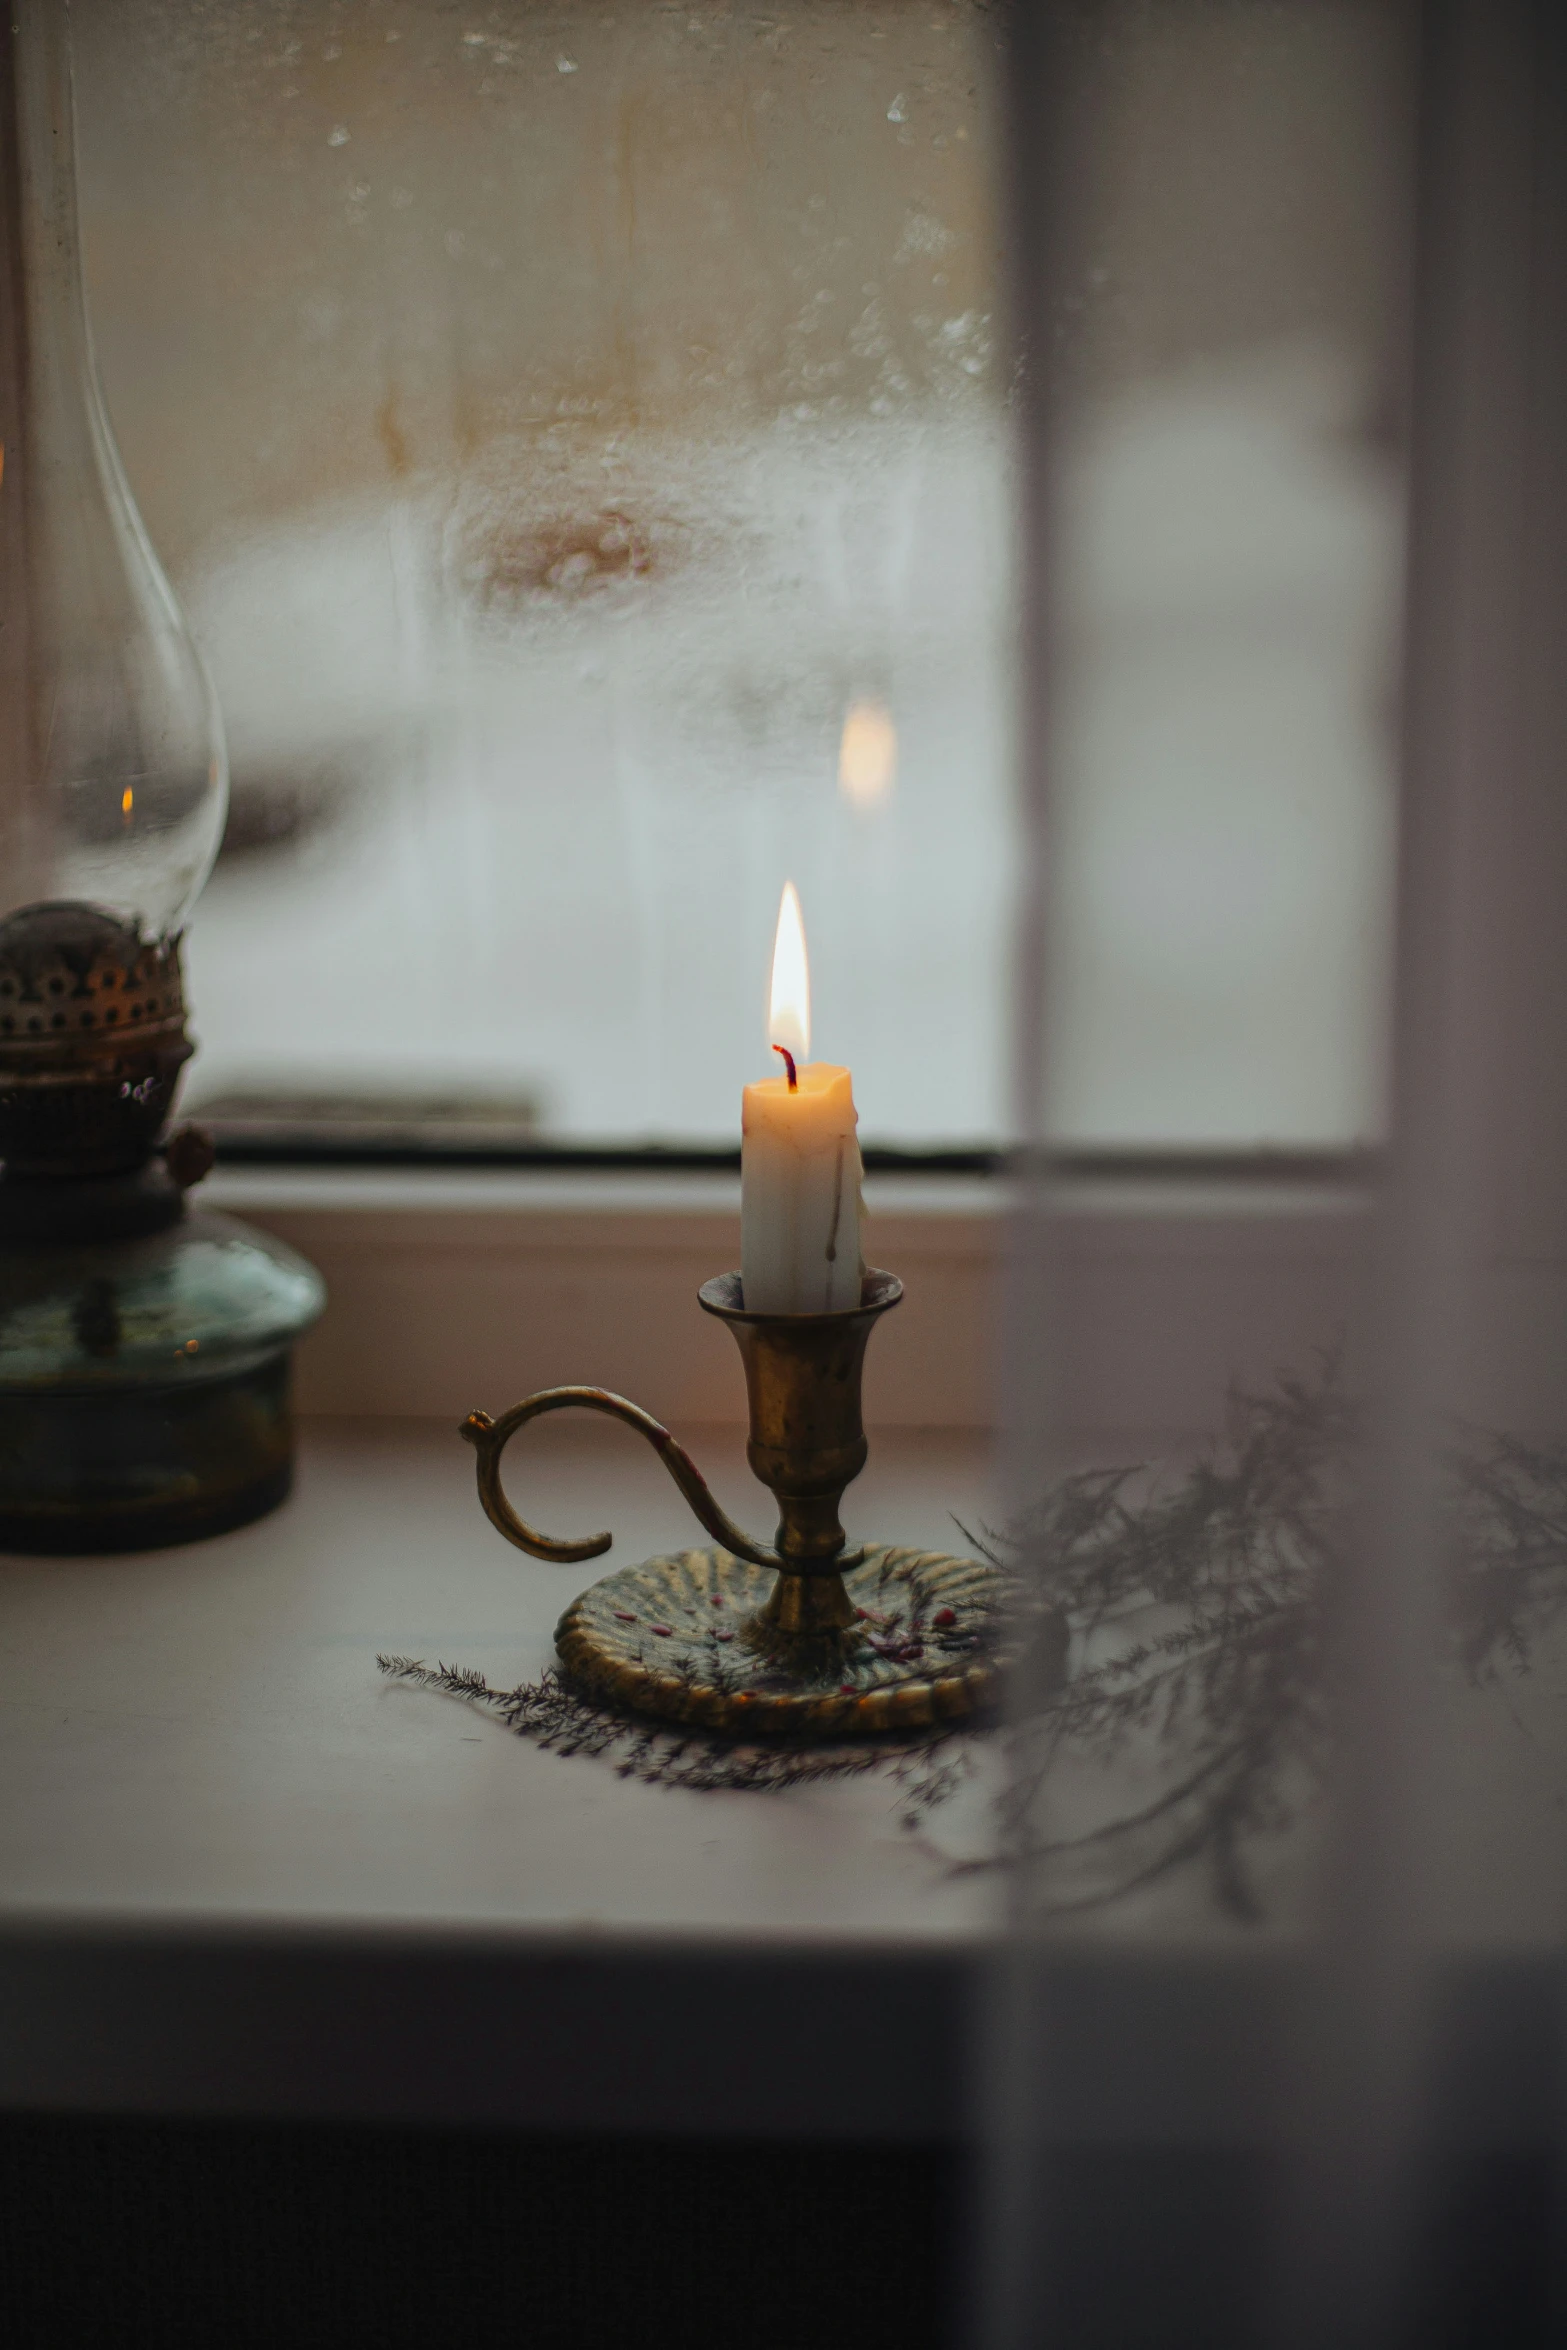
(583, 441)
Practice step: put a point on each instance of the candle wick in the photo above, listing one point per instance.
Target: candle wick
(794, 1082)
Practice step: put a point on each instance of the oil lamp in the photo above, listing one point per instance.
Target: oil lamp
(144, 1350)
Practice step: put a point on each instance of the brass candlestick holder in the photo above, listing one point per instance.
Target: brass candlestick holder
(799, 1638)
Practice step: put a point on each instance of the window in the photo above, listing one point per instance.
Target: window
(581, 439)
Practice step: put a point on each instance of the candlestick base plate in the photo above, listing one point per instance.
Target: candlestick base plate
(685, 1638)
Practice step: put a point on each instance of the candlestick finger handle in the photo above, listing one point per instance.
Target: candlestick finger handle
(490, 1438)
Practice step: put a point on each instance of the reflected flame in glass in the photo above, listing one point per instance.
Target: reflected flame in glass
(789, 1001)
(868, 754)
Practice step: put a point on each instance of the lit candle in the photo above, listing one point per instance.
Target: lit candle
(799, 1157)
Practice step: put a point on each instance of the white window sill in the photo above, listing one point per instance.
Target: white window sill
(240, 1873)
(450, 1290)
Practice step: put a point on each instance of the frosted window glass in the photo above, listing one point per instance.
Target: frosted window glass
(564, 422)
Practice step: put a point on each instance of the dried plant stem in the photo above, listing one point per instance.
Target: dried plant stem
(924, 1769)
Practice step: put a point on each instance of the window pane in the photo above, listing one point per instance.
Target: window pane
(581, 439)
(1228, 561)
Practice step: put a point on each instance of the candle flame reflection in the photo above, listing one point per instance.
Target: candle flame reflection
(789, 1000)
(868, 754)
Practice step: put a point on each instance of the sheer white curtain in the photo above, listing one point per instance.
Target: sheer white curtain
(1297, 2085)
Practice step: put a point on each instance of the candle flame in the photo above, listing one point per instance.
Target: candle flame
(868, 754)
(127, 801)
(789, 1002)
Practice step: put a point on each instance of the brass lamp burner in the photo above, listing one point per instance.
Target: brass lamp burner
(801, 1638)
(92, 1041)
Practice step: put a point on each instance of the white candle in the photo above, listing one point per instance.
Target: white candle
(799, 1157)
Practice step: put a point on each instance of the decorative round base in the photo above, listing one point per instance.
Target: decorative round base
(683, 1637)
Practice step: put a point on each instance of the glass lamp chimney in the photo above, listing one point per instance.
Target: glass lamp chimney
(113, 774)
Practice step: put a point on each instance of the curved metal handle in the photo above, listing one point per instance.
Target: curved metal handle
(490, 1438)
